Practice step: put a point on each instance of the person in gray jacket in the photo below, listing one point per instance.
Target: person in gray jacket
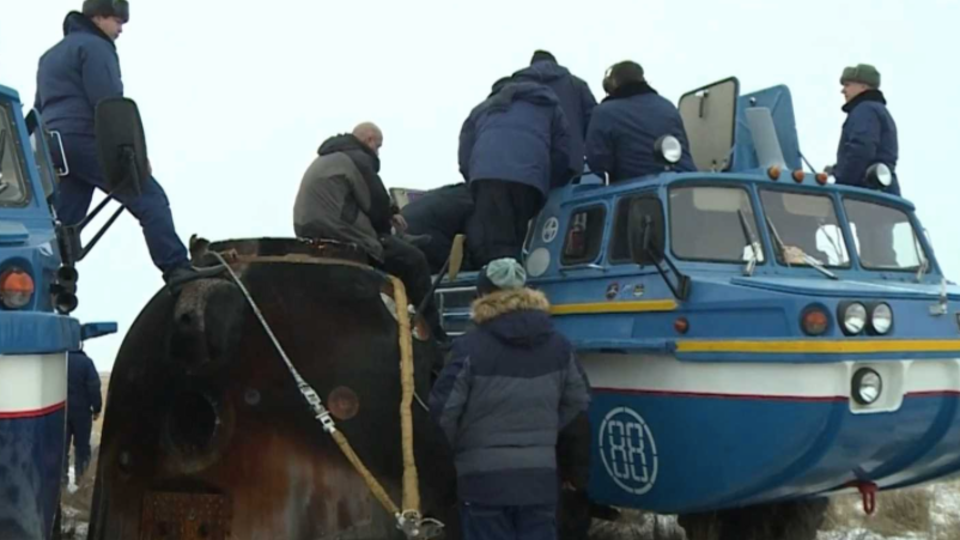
(342, 198)
(512, 384)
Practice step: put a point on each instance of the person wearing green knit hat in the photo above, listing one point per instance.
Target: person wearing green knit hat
(869, 138)
(869, 134)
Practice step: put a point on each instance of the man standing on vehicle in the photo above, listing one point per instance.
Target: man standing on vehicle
(84, 404)
(869, 134)
(513, 383)
(514, 148)
(628, 122)
(73, 77)
(575, 97)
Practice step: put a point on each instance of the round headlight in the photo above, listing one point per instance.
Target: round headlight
(866, 386)
(881, 174)
(881, 318)
(669, 149)
(854, 317)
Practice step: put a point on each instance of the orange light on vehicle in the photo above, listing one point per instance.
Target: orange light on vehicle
(774, 172)
(798, 176)
(815, 321)
(681, 325)
(16, 288)
(822, 178)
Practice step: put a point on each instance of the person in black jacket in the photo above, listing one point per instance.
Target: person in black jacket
(84, 404)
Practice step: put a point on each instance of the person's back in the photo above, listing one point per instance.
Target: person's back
(441, 214)
(625, 126)
(340, 199)
(576, 99)
(75, 74)
(512, 384)
(515, 138)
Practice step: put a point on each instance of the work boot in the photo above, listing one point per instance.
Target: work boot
(182, 274)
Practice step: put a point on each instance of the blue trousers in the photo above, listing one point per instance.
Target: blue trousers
(151, 208)
(79, 426)
(533, 522)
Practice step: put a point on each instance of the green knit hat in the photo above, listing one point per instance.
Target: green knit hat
(862, 73)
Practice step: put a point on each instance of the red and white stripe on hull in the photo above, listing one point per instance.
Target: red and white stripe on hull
(32, 385)
(810, 382)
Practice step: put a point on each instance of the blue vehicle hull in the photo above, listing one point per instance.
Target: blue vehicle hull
(686, 451)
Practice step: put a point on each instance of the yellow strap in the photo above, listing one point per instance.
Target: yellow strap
(411, 488)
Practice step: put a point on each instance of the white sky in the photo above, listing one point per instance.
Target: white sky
(236, 96)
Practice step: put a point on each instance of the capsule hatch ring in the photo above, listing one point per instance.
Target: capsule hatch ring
(196, 429)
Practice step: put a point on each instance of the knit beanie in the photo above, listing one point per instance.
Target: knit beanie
(500, 275)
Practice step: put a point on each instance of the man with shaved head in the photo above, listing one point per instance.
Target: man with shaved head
(342, 198)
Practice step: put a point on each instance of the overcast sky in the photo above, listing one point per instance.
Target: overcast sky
(236, 96)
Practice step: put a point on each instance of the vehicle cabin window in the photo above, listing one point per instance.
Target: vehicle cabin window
(883, 236)
(714, 224)
(584, 235)
(13, 190)
(620, 241)
(804, 229)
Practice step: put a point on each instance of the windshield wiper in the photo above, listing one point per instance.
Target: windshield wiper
(812, 261)
(781, 247)
(752, 241)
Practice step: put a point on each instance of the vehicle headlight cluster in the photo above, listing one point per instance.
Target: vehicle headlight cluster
(855, 317)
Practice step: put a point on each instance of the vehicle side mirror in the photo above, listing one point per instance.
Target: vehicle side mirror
(121, 145)
(645, 231)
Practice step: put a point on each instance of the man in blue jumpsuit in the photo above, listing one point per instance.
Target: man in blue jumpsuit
(84, 404)
(73, 77)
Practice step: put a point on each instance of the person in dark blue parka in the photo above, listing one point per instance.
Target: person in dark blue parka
(514, 148)
(575, 97)
(869, 134)
(627, 123)
(84, 404)
(72, 78)
(512, 385)
(439, 214)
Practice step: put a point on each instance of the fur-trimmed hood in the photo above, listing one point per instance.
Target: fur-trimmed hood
(493, 305)
(519, 317)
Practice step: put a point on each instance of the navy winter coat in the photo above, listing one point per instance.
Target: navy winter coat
(518, 134)
(625, 127)
(575, 97)
(512, 384)
(74, 75)
(869, 136)
(83, 385)
(441, 213)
